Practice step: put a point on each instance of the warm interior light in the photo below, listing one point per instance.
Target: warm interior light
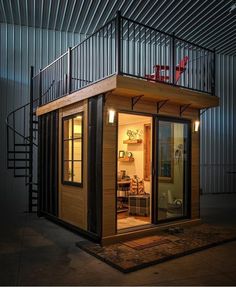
(196, 126)
(111, 116)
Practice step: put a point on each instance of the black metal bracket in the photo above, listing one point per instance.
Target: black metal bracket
(183, 108)
(202, 112)
(161, 104)
(105, 97)
(134, 100)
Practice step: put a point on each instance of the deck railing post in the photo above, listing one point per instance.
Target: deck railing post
(69, 71)
(118, 42)
(173, 59)
(40, 87)
(213, 73)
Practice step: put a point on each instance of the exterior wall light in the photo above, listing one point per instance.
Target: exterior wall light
(196, 126)
(111, 116)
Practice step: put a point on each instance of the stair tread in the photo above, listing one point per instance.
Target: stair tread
(19, 151)
(18, 167)
(18, 159)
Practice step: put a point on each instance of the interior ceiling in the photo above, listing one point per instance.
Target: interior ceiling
(206, 22)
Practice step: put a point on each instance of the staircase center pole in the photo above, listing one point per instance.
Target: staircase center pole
(31, 141)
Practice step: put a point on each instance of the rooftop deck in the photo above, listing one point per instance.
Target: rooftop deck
(130, 49)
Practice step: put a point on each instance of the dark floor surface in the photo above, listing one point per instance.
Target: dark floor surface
(34, 251)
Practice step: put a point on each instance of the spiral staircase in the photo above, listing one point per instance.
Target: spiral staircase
(22, 143)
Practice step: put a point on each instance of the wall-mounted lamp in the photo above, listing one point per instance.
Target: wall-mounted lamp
(111, 116)
(196, 126)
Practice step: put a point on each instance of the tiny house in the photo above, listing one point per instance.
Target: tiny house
(118, 135)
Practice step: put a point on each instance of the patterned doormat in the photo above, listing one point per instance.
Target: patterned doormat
(139, 253)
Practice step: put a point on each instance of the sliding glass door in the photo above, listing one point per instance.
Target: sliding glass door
(153, 170)
(173, 169)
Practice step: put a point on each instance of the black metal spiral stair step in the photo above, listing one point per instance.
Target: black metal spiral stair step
(18, 159)
(24, 145)
(18, 167)
(18, 151)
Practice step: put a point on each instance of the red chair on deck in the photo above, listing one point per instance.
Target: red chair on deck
(161, 71)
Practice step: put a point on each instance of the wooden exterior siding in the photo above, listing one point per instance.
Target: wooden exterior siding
(120, 103)
(109, 177)
(73, 199)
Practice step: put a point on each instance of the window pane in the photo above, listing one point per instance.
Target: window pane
(78, 149)
(68, 150)
(77, 171)
(165, 149)
(68, 129)
(78, 127)
(172, 194)
(72, 149)
(67, 171)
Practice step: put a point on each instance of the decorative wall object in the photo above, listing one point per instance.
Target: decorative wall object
(134, 134)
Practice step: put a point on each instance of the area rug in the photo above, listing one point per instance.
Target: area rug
(129, 222)
(139, 253)
(147, 242)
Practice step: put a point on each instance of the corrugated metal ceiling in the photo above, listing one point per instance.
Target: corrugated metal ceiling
(206, 22)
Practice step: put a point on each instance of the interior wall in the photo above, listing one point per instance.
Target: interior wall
(218, 133)
(137, 166)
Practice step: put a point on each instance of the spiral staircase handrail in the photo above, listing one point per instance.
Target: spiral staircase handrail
(12, 128)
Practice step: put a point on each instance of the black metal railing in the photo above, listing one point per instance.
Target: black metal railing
(126, 47)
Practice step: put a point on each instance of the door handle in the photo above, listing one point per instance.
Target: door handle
(153, 171)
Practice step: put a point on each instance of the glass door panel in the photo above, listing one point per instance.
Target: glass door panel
(172, 141)
(134, 166)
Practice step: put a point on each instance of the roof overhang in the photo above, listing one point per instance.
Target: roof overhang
(132, 87)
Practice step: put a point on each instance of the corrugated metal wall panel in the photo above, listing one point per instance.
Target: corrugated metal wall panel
(21, 47)
(218, 133)
(207, 22)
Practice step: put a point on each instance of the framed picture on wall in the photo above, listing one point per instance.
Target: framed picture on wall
(121, 153)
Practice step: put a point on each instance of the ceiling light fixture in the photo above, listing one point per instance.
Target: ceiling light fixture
(233, 8)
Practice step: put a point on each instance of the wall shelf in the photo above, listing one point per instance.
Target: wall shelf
(126, 159)
(132, 141)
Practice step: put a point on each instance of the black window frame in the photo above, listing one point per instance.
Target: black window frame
(65, 182)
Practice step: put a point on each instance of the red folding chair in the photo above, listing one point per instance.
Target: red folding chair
(161, 71)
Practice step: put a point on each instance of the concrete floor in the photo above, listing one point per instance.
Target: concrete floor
(34, 251)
